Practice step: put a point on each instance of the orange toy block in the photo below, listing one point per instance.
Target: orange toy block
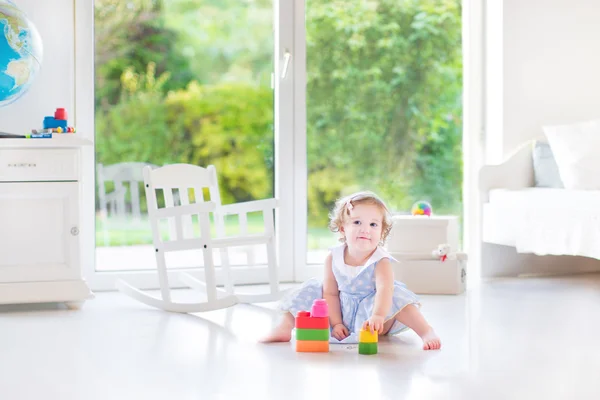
(310, 346)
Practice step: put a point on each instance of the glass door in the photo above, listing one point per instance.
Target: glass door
(180, 81)
(384, 108)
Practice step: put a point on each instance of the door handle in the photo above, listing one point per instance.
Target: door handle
(286, 63)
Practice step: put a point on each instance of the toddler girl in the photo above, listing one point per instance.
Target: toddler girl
(359, 284)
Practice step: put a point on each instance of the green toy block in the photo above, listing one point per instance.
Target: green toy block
(312, 334)
(367, 348)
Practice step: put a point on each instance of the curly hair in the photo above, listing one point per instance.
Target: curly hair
(341, 211)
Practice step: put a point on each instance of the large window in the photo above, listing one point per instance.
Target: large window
(192, 81)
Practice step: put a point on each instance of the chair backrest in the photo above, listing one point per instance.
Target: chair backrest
(177, 180)
(126, 176)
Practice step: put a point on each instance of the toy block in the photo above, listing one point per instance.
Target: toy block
(367, 348)
(312, 346)
(312, 334)
(305, 321)
(365, 336)
(319, 309)
(51, 122)
(60, 114)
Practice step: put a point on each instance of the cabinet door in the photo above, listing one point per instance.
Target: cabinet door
(39, 231)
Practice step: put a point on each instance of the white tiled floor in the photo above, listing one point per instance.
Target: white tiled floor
(510, 339)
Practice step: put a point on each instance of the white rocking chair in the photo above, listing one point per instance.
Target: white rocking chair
(184, 177)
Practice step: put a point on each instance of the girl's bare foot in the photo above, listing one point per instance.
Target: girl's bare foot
(431, 340)
(412, 317)
(279, 334)
(283, 331)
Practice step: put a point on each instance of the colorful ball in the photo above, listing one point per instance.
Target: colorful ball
(421, 208)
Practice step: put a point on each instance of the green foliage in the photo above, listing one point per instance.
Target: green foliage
(230, 126)
(137, 128)
(384, 85)
(224, 40)
(130, 35)
(227, 125)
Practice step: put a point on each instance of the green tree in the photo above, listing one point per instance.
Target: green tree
(229, 125)
(138, 128)
(384, 87)
(132, 34)
(224, 40)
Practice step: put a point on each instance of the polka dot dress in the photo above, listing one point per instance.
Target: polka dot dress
(357, 294)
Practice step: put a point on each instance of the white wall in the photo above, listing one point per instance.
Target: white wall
(494, 87)
(550, 55)
(54, 86)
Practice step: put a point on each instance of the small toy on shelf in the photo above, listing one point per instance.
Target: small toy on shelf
(55, 124)
(312, 329)
(60, 114)
(38, 135)
(367, 342)
(441, 252)
(421, 207)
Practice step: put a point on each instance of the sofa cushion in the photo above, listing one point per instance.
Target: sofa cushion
(575, 148)
(545, 170)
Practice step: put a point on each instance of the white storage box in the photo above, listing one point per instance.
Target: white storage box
(422, 234)
(432, 276)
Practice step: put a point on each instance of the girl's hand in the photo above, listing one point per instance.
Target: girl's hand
(340, 332)
(375, 323)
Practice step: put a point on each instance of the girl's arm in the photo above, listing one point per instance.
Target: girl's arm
(384, 284)
(331, 294)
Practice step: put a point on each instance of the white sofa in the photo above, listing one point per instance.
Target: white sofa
(533, 230)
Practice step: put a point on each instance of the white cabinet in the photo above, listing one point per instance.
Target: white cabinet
(40, 221)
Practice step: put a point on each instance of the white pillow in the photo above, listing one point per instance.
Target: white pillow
(576, 148)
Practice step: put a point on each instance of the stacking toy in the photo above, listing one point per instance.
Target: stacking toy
(312, 329)
(367, 342)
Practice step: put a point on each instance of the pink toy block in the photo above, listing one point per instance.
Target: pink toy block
(319, 309)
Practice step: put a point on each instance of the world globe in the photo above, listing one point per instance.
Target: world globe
(21, 53)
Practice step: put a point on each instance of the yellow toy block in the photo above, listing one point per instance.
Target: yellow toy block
(365, 336)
